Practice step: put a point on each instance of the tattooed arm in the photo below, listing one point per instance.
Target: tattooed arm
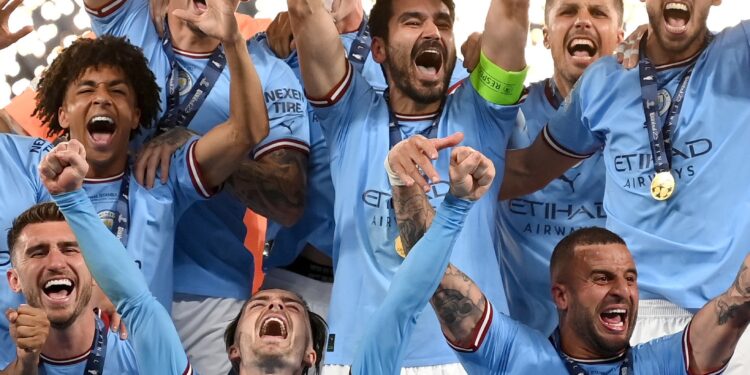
(273, 186)
(717, 327)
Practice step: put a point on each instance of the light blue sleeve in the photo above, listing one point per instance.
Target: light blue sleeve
(285, 102)
(389, 330)
(186, 178)
(569, 131)
(152, 333)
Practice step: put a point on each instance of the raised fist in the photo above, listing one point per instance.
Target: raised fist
(471, 173)
(29, 328)
(63, 169)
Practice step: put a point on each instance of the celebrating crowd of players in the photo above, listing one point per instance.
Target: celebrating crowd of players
(419, 179)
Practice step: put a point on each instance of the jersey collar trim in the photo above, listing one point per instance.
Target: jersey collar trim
(66, 361)
(194, 55)
(104, 180)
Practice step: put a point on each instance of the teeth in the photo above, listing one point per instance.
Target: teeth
(64, 282)
(616, 311)
(102, 119)
(677, 6)
(277, 320)
(586, 42)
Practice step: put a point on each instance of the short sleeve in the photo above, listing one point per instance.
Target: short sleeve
(568, 131)
(287, 113)
(492, 337)
(185, 177)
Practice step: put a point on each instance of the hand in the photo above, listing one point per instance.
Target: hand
(471, 173)
(106, 307)
(157, 153)
(471, 49)
(280, 37)
(64, 168)
(158, 13)
(417, 152)
(627, 52)
(29, 328)
(6, 37)
(217, 20)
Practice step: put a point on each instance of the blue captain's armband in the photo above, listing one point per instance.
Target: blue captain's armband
(495, 84)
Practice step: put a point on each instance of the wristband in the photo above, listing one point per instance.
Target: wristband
(393, 178)
(495, 84)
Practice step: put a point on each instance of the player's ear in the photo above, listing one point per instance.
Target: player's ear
(310, 357)
(545, 37)
(560, 296)
(234, 353)
(13, 280)
(62, 118)
(378, 50)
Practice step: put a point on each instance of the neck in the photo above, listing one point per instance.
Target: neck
(575, 347)
(72, 341)
(185, 38)
(266, 369)
(661, 56)
(106, 170)
(562, 85)
(402, 104)
(351, 21)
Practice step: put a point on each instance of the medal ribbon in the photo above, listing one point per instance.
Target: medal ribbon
(626, 367)
(393, 126)
(121, 223)
(661, 141)
(180, 114)
(95, 362)
(361, 45)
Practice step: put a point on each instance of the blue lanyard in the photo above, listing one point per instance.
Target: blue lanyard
(180, 114)
(95, 362)
(121, 223)
(661, 141)
(394, 132)
(552, 93)
(361, 45)
(626, 367)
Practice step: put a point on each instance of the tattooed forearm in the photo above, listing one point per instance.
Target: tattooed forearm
(273, 186)
(414, 214)
(742, 283)
(734, 305)
(459, 305)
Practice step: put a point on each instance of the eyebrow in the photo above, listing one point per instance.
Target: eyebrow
(407, 15)
(92, 83)
(45, 245)
(284, 299)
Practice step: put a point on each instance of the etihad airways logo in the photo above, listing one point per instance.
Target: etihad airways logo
(382, 201)
(645, 161)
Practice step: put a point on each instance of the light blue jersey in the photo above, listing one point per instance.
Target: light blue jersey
(21, 189)
(505, 346)
(532, 225)
(120, 359)
(355, 124)
(157, 347)
(688, 247)
(316, 225)
(388, 332)
(153, 215)
(210, 256)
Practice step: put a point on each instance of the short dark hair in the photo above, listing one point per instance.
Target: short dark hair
(565, 249)
(382, 12)
(85, 53)
(619, 7)
(318, 331)
(37, 214)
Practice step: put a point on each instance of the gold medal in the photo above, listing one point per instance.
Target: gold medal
(400, 247)
(662, 186)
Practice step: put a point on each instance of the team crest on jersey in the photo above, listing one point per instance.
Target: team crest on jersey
(108, 218)
(663, 101)
(184, 82)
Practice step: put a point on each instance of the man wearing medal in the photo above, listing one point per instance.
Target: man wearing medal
(215, 240)
(413, 42)
(686, 231)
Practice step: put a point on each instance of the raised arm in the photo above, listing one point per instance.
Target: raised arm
(154, 338)
(414, 283)
(220, 150)
(530, 169)
(717, 327)
(322, 57)
(505, 30)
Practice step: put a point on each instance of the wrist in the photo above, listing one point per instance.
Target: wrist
(393, 178)
(234, 41)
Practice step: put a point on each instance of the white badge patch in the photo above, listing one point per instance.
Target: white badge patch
(184, 82)
(663, 101)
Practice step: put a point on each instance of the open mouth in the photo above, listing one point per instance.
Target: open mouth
(582, 48)
(429, 58)
(58, 289)
(273, 327)
(676, 17)
(101, 129)
(614, 319)
(200, 4)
